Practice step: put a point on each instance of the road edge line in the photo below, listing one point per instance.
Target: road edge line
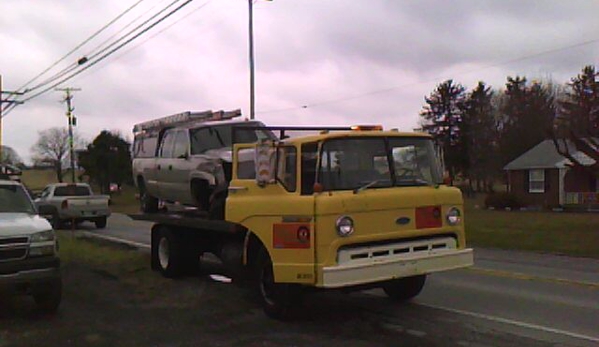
(117, 240)
(513, 322)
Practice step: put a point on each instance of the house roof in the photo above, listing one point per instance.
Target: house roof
(545, 156)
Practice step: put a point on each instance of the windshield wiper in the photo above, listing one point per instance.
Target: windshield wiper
(413, 182)
(366, 186)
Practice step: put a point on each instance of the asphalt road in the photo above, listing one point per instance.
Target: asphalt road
(507, 296)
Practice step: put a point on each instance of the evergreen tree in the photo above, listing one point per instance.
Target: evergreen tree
(527, 116)
(107, 160)
(442, 118)
(480, 135)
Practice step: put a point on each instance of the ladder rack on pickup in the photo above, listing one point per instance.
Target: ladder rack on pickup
(185, 117)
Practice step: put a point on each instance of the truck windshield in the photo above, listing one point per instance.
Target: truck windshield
(71, 191)
(220, 136)
(14, 199)
(378, 162)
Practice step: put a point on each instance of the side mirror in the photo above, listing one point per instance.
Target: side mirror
(45, 210)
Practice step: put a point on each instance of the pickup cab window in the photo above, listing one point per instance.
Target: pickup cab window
(14, 199)
(71, 191)
(166, 148)
(181, 145)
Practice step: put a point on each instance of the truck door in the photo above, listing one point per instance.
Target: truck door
(276, 212)
(180, 167)
(164, 160)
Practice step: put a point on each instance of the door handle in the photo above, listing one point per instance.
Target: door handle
(236, 189)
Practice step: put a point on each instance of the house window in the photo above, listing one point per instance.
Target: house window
(536, 181)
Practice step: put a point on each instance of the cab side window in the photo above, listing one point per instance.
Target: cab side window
(166, 148)
(181, 145)
(287, 167)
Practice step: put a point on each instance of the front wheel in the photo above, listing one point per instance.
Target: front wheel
(403, 289)
(49, 296)
(278, 299)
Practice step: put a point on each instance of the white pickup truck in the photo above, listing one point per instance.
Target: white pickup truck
(74, 203)
(29, 262)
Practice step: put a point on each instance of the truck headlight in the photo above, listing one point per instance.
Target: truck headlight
(454, 216)
(345, 226)
(42, 244)
(43, 236)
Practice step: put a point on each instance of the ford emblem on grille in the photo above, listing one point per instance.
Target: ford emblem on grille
(402, 220)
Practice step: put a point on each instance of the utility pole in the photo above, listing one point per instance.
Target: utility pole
(2, 102)
(72, 119)
(251, 33)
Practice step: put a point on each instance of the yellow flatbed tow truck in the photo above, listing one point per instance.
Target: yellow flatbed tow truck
(346, 207)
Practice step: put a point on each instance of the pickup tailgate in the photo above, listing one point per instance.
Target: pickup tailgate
(85, 206)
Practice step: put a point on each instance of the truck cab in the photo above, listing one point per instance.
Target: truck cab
(29, 262)
(349, 208)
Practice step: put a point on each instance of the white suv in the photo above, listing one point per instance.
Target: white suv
(29, 261)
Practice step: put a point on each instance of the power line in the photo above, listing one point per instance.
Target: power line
(437, 78)
(157, 33)
(81, 44)
(89, 65)
(88, 57)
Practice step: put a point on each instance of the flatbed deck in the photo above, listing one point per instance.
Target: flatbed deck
(190, 220)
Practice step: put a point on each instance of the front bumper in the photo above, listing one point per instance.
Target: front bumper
(417, 264)
(29, 271)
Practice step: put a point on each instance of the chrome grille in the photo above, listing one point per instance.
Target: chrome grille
(13, 248)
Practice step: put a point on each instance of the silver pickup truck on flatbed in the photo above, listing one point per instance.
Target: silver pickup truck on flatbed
(74, 203)
(29, 262)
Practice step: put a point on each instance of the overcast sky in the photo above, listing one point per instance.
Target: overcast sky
(318, 62)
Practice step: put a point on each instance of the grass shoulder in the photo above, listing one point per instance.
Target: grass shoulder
(575, 234)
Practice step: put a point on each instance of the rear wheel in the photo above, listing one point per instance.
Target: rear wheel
(406, 288)
(278, 299)
(49, 296)
(100, 223)
(172, 256)
(148, 203)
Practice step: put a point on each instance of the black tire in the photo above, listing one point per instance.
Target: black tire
(148, 203)
(167, 253)
(48, 296)
(217, 206)
(101, 222)
(403, 289)
(201, 194)
(279, 300)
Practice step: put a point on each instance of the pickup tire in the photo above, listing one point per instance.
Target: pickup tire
(403, 289)
(101, 222)
(168, 253)
(147, 203)
(279, 300)
(56, 222)
(49, 296)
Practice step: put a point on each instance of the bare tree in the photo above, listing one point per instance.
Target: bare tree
(52, 147)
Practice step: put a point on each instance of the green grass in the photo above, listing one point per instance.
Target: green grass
(555, 232)
(125, 201)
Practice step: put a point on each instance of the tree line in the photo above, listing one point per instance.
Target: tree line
(482, 130)
(105, 160)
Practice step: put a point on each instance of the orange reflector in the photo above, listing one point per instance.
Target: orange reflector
(366, 127)
(428, 217)
(291, 235)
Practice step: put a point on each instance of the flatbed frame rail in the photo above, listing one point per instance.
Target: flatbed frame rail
(190, 221)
